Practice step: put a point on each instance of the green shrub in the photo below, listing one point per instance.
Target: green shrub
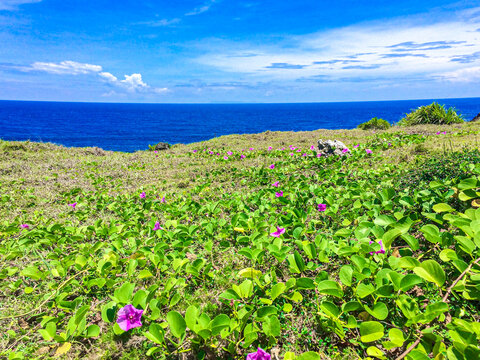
(432, 114)
(374, 123)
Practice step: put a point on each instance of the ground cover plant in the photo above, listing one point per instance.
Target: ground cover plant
(250, 246)
(374, 124)
(432, 114)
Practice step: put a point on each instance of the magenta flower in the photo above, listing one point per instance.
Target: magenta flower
(299, 150)
(291, 154)
(194, 151)
(368, 151)
(356, 146)
(279, 232)
(275, 184)
(444, 133)
(229, 153)
(279, 194)
(272, 166)
(25, 226)
(163, 200)
(260, 354)
(319, 155)
(304, 154)
(389, 144)
(157, 226)
(210, 152)
(312, 147)
(251, 149)
(270, 148)
(438, 132)
(128, 317)
(282, 149)
(322, 207)
(242, 157)
(142, 195)
(73, 205)
(382, 249)
(345, 150)
(225, 157)
(156, 152)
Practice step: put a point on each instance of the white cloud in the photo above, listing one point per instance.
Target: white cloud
(397, 47)
(131, 83)
(471, 74)
(160, 23)
(65, 67)
(201, 9)
(13, 4)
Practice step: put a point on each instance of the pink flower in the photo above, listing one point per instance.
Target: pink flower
(292, 154)
(225, 157)
(194, 151)
(251, 149)
(242, 157)
(163, 200)
(312, 147)
(345, 150)
(444, 133)
(275, 184)
(299, 150)
(279, 232)
(319, 155)
(210, 152)
(260, 354)
(229, 153)
(73, 205)
(368, 151)
(279, 194)
(270, 148)
(157, 226)
(382, 249)
(156, 152)
(128, 317)
(272, 166)
(282, 149)
(25, 226)
(322, 207)
(304, 154)
(142, 195)
(438, 132)
(356, 146)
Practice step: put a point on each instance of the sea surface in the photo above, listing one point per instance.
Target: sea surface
(131, 127)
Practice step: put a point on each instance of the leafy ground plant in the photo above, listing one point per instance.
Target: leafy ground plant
(431, 114)
(374, 124)
(249, 246)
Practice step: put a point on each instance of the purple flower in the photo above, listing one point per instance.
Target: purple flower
(163, 200)
(279, 232)
(438, 133)
(156, 152)
(279, 194)
(229, 153)
(260, 354)
(444, 133)
(322, 207)
(275, 184)
(291, 154)
(225, 157)
(312, 147)
(272, 166)
(382, 249)
(194, 151)
(73, 205)
(368, 151)
(270, 148)
(242, 157)
(389, 144)
(128, 317)
(299, 150)
(210, 152)
(142, 195)
(25, 226)
(345, 150)
(252, 149)
(356, 146)
(282, 149)
(319, 155)
(304, 154)
(157, 226)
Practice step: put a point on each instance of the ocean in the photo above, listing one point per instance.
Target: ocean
(131, 127)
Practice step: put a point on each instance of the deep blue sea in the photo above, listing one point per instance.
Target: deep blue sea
(130, 127)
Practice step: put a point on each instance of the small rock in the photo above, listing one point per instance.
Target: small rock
(162, 146)
(332, 147)
(476, 118)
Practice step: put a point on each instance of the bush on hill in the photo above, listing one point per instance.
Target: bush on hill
(432, 114)
(375, 124)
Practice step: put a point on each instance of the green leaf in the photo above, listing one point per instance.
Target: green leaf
(431, 271)
(375, 352)
(364, 290)
(108, 311)
(431, 233)
(309, 356)
(177, 324)
(220, 322)
(346, 275)
(442, 207)
(155, 333)
(124, 293)
(271, 326)
(330, 287)
(93, 331)
(191, 316)
(277, 290)
(305, 283)
(371, 331)
(466, 184)
(250, 273)
(379, 311)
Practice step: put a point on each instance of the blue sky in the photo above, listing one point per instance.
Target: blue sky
(231, 51)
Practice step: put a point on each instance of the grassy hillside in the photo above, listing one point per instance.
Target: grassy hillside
(379, 253)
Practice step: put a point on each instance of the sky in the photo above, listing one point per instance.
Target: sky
(216, 51)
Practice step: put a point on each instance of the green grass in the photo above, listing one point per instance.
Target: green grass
(432, 114)
(316, 288)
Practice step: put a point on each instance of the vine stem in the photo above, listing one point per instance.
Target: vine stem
(444, 299)
(48, 299)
